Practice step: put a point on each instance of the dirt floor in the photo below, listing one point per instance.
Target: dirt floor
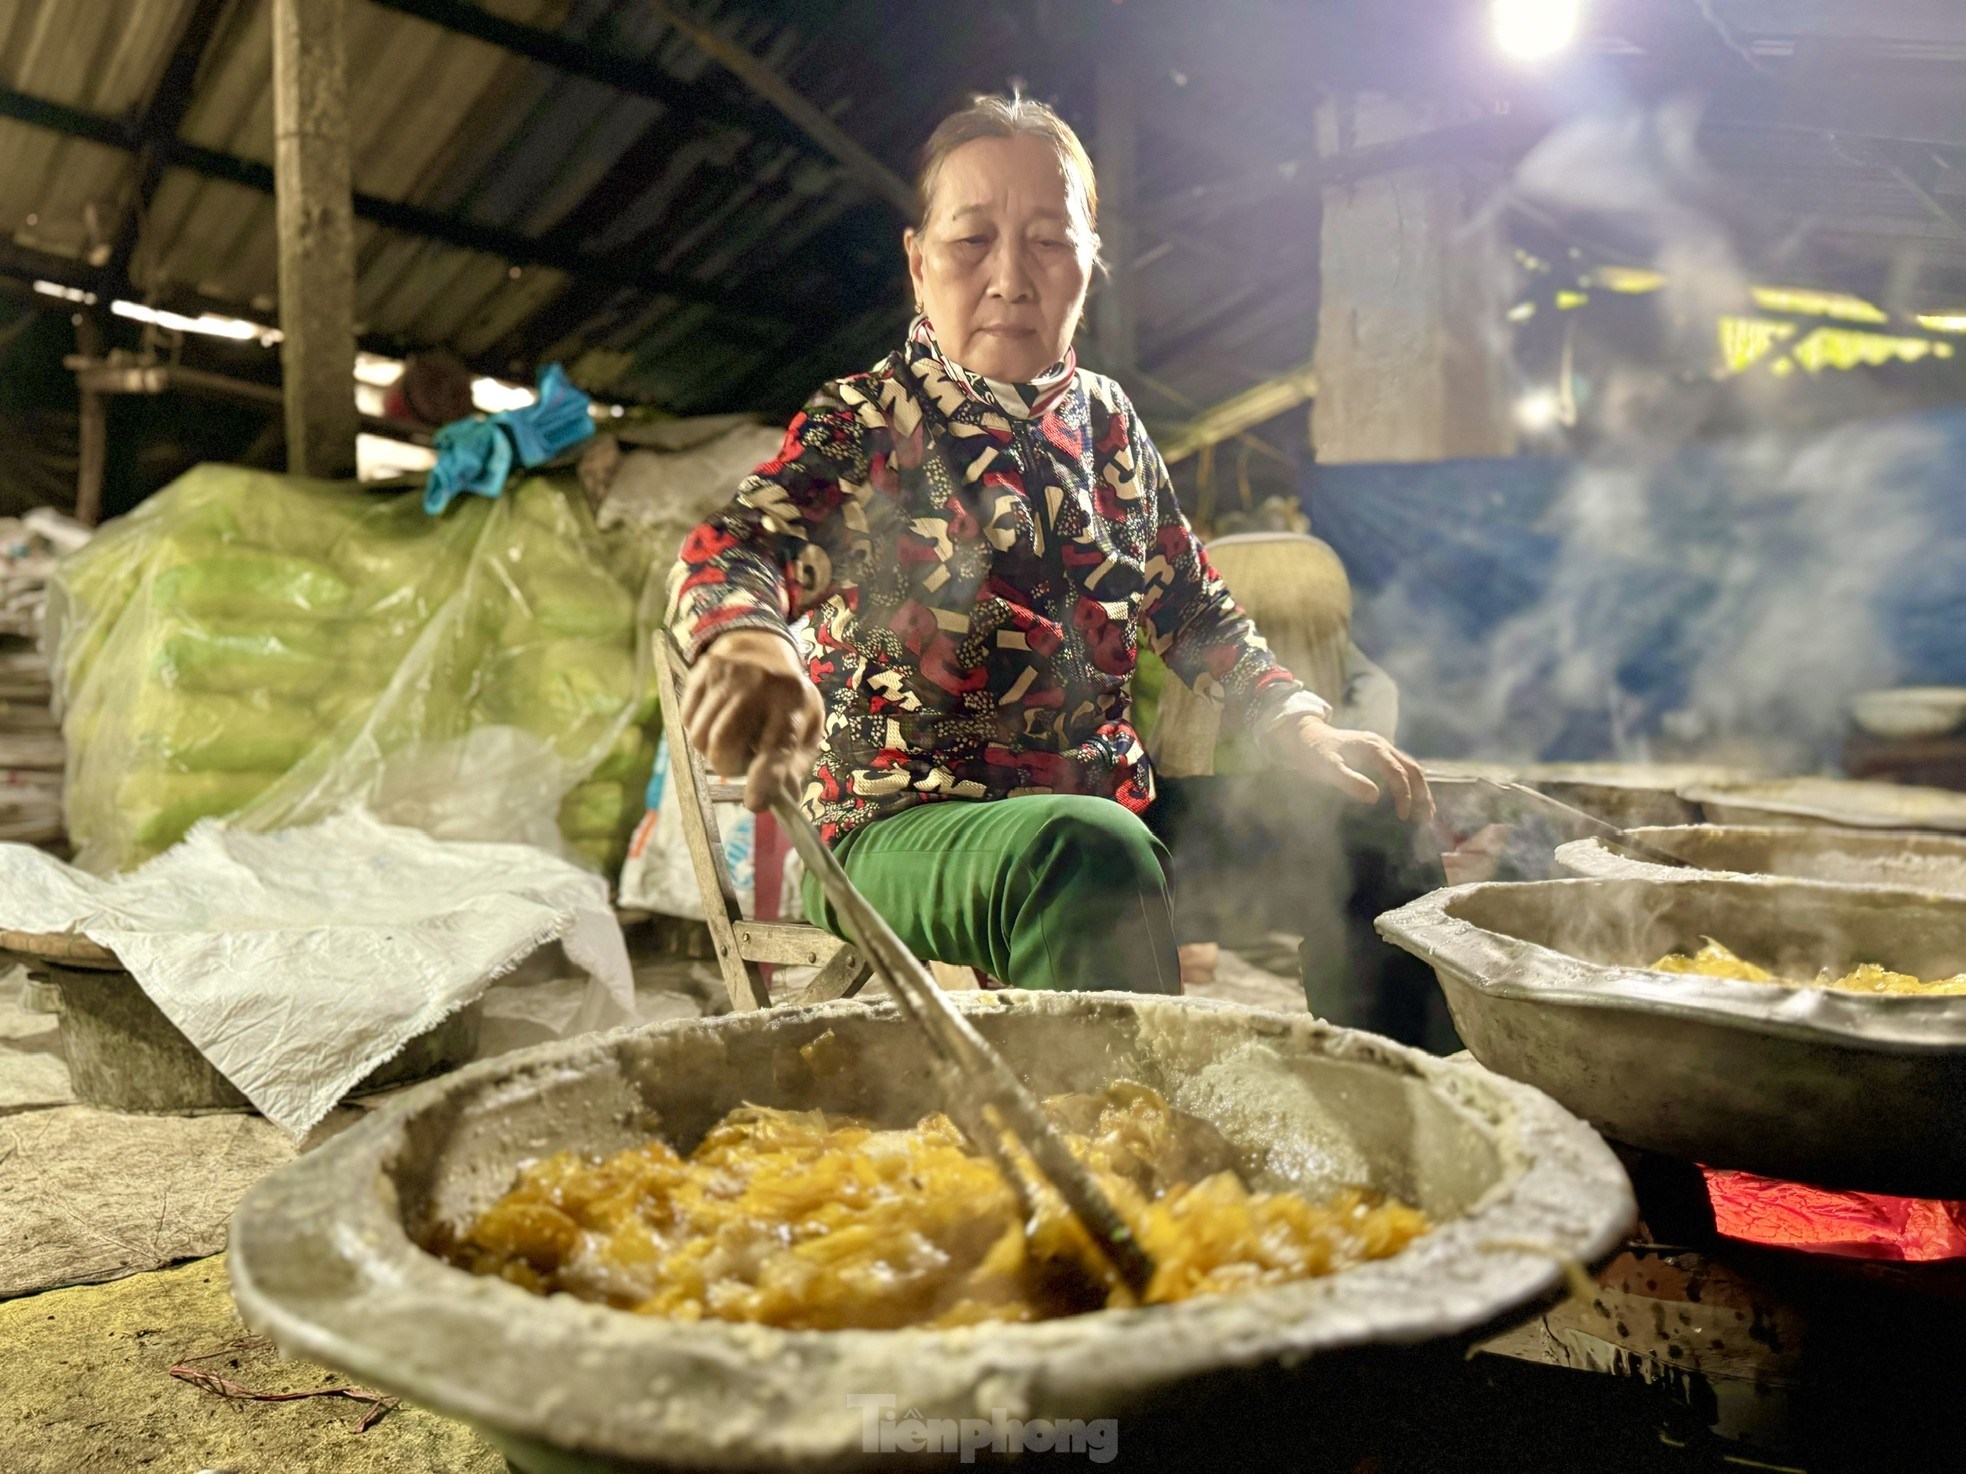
(141, 1203)
(89, 1390)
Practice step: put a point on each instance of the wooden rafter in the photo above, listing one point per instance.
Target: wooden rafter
(1503, 134)
(161, 118)
(22, 266)
(635, 75)
(782, 95)
(397, 215)
(1239, 413)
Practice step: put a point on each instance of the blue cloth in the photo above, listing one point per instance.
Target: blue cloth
(476, 455)
(1740, 588)
(472, 455)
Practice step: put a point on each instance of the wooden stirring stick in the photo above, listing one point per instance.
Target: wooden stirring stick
(975, 1078)
(1637, 848)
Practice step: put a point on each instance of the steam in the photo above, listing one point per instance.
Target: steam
(1721, 601)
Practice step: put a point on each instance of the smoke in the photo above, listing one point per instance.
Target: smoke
(1719, 600)
(1642, 173)
(1795, 629)
(1754, 574)
(1637, 180)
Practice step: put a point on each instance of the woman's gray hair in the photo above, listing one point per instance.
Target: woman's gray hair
(1016, 116)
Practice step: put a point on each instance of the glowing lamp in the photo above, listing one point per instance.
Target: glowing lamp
(1534, 30)
(1539, 412)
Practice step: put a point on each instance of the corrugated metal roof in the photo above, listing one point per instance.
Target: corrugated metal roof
(616, 189)
(440, 120)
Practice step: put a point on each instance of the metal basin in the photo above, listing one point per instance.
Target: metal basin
(1835, 801)
(325, 1257)
(1627, 794)
(1547, 983)
(1920, 862)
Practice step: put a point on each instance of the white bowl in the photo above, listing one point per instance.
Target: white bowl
(1911, 711)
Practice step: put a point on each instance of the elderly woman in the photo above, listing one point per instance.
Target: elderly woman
(980, 538)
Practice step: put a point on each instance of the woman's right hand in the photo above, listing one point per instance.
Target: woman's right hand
(750, 708)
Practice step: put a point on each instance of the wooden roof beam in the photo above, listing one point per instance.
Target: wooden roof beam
(1239, 413)
(1505, 134)
(161, 117)
(22, 266)
(638, 76)
(796, 108)
(396, 215)
(1915, 168)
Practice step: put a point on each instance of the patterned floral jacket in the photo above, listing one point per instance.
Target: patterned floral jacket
(980, 562)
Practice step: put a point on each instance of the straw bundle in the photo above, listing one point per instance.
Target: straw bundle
(1294, 587)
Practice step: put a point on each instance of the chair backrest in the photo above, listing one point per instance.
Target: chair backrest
(697, 795)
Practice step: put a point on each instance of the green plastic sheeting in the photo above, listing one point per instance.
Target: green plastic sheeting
(274, 649)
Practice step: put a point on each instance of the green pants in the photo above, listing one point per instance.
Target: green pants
(1059, 891)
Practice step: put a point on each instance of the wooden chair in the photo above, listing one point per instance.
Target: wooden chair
(741, 944)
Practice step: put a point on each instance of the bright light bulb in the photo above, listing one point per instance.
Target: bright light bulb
(1539, 412)
(1534, 30)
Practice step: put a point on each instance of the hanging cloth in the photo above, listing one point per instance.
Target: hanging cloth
(476, 455)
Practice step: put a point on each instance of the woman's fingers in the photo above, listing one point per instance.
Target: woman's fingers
(1398, 781)
(749, 708)
(769, 773)
(787, 748)
(1423, 794)
(701, 676)
(769, 776)
(1377, 757)
(1352, 783)
(732, 735)
(1361, 764)
(1415, 798)
(809, 721)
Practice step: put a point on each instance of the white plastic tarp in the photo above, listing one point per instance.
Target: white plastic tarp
(299, 960)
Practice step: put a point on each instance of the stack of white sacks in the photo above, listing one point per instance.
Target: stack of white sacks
(31, 751)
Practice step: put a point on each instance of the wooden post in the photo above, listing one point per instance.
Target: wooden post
(1116, 153)
(1410, 364)
(92, 450)
(313, 185)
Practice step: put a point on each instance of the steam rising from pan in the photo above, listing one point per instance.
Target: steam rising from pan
(1726, 598)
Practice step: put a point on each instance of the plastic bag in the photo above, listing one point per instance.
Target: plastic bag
(665, 490)
(659, 875)
(1854, 1225)
(297, 962)
(277, 650)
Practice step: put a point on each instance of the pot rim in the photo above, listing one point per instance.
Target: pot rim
(1595, 859)
(1561, 1198)
(1791, 797)
(1503, 966)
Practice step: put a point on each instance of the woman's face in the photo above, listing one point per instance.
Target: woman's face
(1002, 263)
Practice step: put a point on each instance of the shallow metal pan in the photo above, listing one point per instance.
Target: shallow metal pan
(1547, 984)
(1848, 803)
(1935, 863)
(325, 1257)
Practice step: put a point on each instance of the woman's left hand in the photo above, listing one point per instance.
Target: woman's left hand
(1357, 764)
